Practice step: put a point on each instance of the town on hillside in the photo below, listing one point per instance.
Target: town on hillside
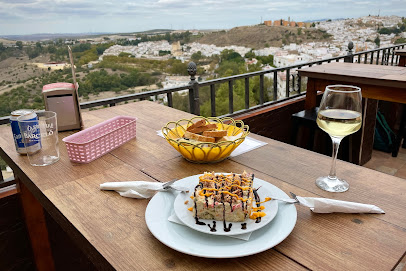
(112, 65)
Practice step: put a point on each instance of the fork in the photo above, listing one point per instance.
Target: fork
(168, 184)
(294, 196)
(285, 200)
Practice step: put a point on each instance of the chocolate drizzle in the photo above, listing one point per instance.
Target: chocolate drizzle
(196, 218)
(226, 229)
(243, 226)
(258, 200)
(225, 226)
(212, 229)
(198, 222)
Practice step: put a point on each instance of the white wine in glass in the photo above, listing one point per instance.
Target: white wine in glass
(339, 115)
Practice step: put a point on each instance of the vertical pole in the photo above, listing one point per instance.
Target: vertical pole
(230, 97)
(194, 104)
(383, 57)
(299, 81)
(197, 99)
(261, 89)
(247, 92)
(377, 57)
(349, 58)
(275, 85)
(393, 56)
(213, 100)
(170, 101)
(191, 101)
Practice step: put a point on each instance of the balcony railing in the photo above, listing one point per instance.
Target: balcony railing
(292, 86)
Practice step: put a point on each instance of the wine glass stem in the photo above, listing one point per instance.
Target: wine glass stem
(336, 145)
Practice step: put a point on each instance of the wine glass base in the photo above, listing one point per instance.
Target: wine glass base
(332, 185)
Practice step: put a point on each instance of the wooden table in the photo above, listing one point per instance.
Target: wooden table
(402, 57)
(387, 83)
(111, 230)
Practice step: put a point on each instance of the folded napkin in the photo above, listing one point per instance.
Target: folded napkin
(322, 205)
(244, 236)
(137, 189)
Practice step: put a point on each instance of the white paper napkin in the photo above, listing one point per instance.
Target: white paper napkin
(244, 236)
(323, 205)
(137, 189)
(247, 145)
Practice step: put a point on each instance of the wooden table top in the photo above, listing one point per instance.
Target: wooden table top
(400, 52)
(368, 74)
(112, 231)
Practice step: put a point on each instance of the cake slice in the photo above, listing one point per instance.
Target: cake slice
(224, 197)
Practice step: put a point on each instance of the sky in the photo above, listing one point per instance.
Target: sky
(18, 17)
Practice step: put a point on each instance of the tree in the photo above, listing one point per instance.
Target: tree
(38, 45)
(196, 56)
(178, 68)
(168, 36)
(266, 59)
(51, 49)
(400, 41)
(250, 55)
(2, 48)
(19, 44)
(231, 55)
(32, 52)
(377, 41)
(100, 50)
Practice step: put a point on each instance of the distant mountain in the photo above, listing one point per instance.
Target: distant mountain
(260, 36)
(48, 36)
(152, 31)
(52, 36)
(322, 20)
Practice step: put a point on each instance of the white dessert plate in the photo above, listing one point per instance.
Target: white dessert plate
(187, 217)
(189, 241)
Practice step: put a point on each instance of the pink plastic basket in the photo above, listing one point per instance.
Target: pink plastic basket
(91, 143)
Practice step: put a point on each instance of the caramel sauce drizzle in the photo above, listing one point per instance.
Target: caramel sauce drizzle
(220, 179)
(201, 193)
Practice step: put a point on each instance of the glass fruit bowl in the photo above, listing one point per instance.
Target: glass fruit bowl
(206, 152)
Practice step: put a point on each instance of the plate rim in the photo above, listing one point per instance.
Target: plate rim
(178, 246)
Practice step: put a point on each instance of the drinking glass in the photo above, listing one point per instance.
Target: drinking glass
(42, 131)
(339, 115)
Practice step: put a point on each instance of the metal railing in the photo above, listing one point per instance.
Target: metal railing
(292, 86)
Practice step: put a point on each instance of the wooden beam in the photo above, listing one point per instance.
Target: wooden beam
(37, 229)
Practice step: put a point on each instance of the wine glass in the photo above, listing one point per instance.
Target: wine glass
(339, 115)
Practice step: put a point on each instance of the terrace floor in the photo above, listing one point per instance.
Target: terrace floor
(396, 166)
(384, 162)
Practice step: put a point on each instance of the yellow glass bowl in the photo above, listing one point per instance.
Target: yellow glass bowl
(205, 152)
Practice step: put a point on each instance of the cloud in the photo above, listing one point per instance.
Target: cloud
(21, 16)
